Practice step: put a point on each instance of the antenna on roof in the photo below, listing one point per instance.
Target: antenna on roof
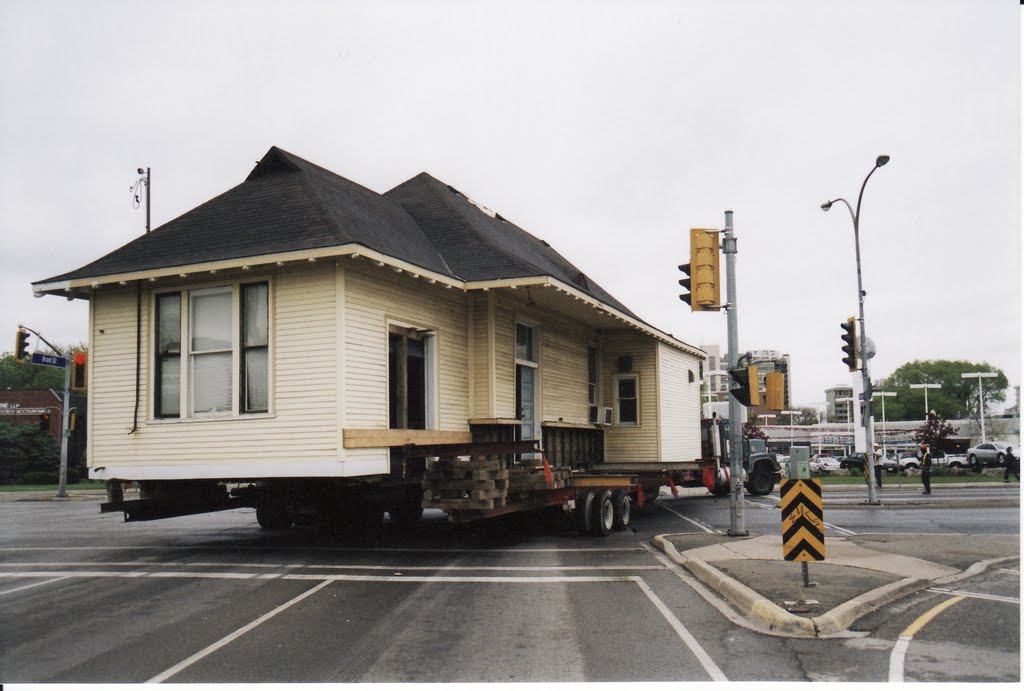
(141, 182)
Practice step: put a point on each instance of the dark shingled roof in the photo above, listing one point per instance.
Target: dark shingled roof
(288, 204)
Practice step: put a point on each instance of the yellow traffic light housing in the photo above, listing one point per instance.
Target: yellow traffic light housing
(706, 292)
(850, 343)
(21, 346)
(747, 393)
(775, 391)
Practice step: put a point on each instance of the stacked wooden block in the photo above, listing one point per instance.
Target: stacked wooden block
(478, 483)
(525, 479)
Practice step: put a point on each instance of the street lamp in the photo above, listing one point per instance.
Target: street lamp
(926, 387)
(792, 414)
(865, 376)
(981, 395)
(883, 395)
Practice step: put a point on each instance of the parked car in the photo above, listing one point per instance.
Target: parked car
(989, 453)
(889, 464)
(908, 460)
(854, 462)
(824, 464)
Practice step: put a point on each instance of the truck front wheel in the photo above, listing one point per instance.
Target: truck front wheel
(761, 481)
(272, 514)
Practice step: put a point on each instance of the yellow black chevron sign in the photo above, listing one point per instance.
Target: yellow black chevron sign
(803, 521)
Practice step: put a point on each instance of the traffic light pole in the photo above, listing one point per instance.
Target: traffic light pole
(737, 522)
(62, 477)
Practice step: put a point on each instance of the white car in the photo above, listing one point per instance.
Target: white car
(824, 464)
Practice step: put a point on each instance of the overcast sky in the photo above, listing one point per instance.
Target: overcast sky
(608, 129)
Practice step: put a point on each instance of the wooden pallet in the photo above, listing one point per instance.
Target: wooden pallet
(523, 479)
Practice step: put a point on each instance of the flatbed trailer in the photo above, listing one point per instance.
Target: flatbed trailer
(470, 482)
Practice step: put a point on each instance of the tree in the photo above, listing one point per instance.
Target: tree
(27, 455)
(958, 397)
(807, 416)
(752, 431)
(934, 432)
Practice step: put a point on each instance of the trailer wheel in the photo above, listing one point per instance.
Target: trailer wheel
(603, 519)
(621, 506)
(584, 506)
(406, 514)
(272, 514)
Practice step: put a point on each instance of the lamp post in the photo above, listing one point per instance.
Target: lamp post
(926, 387)
(865, 376)
(792, 414)
(981, 395)
(883, 395)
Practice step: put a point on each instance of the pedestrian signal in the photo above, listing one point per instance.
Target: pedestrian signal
(775, 391)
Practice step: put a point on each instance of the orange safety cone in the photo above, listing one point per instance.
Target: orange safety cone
(672, 486)
(640, 496)
(548, 475)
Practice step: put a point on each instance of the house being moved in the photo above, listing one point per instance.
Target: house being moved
(300, 325)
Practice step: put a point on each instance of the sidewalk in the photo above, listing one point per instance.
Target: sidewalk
(860, 573)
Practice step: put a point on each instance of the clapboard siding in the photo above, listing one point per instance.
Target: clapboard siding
(303, 371)
(564, 372)
(480, 357)
(374, 298)
(504, 361)
(623, 444)
(679, 402)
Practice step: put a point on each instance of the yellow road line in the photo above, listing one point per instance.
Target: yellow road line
(899, 652)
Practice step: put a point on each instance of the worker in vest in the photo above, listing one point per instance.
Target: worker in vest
(925, 459)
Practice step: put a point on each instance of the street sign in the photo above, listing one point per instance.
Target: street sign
(49, 360)
(803, 521)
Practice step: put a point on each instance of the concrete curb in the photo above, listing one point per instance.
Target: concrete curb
(832, 623)
(761, 608)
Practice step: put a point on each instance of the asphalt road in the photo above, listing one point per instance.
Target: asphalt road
(85, 597)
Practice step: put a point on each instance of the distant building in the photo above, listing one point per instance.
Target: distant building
(839, 410)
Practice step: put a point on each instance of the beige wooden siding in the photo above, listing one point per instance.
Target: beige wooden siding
(375, 297)
(301, 426)
(679, 402)
(564, 372)
(624, 444)
(504, 361)
(480, 357)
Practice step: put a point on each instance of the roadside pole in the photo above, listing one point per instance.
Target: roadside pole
(62, 478)
(737, 523)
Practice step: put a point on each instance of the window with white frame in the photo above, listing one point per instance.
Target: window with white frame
(627, 399)
(526, 380)
(224, 366)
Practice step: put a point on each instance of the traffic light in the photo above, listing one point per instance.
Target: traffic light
(850, 343)
(44, 422)
(747, 392)
(702, 273)
(774, 391)
(78, 368)
(21, 346)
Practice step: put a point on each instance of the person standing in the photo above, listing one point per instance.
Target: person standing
(878, 465)
(1012, 465)
(925, 459)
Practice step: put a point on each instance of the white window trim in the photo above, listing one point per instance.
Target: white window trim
(533, 364)
(615, 398)
(185, 383)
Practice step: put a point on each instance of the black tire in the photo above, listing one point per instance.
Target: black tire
(652, 493)
(973, 461)
(406, 514)
(602, 520)
(761, 481)
(584, 505)
(911, 466)
(273, 514)
(621, 506)
(1000, 460)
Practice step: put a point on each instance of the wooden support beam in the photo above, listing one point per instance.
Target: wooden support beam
(377, 438)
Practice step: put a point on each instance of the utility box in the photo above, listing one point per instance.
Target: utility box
(800, 463)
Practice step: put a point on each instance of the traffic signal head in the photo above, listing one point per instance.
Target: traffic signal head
(44, 422)
(747, 391)
(850, 343)
(774, 391)
(704, 259)
(21, 345)
(79, 362)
